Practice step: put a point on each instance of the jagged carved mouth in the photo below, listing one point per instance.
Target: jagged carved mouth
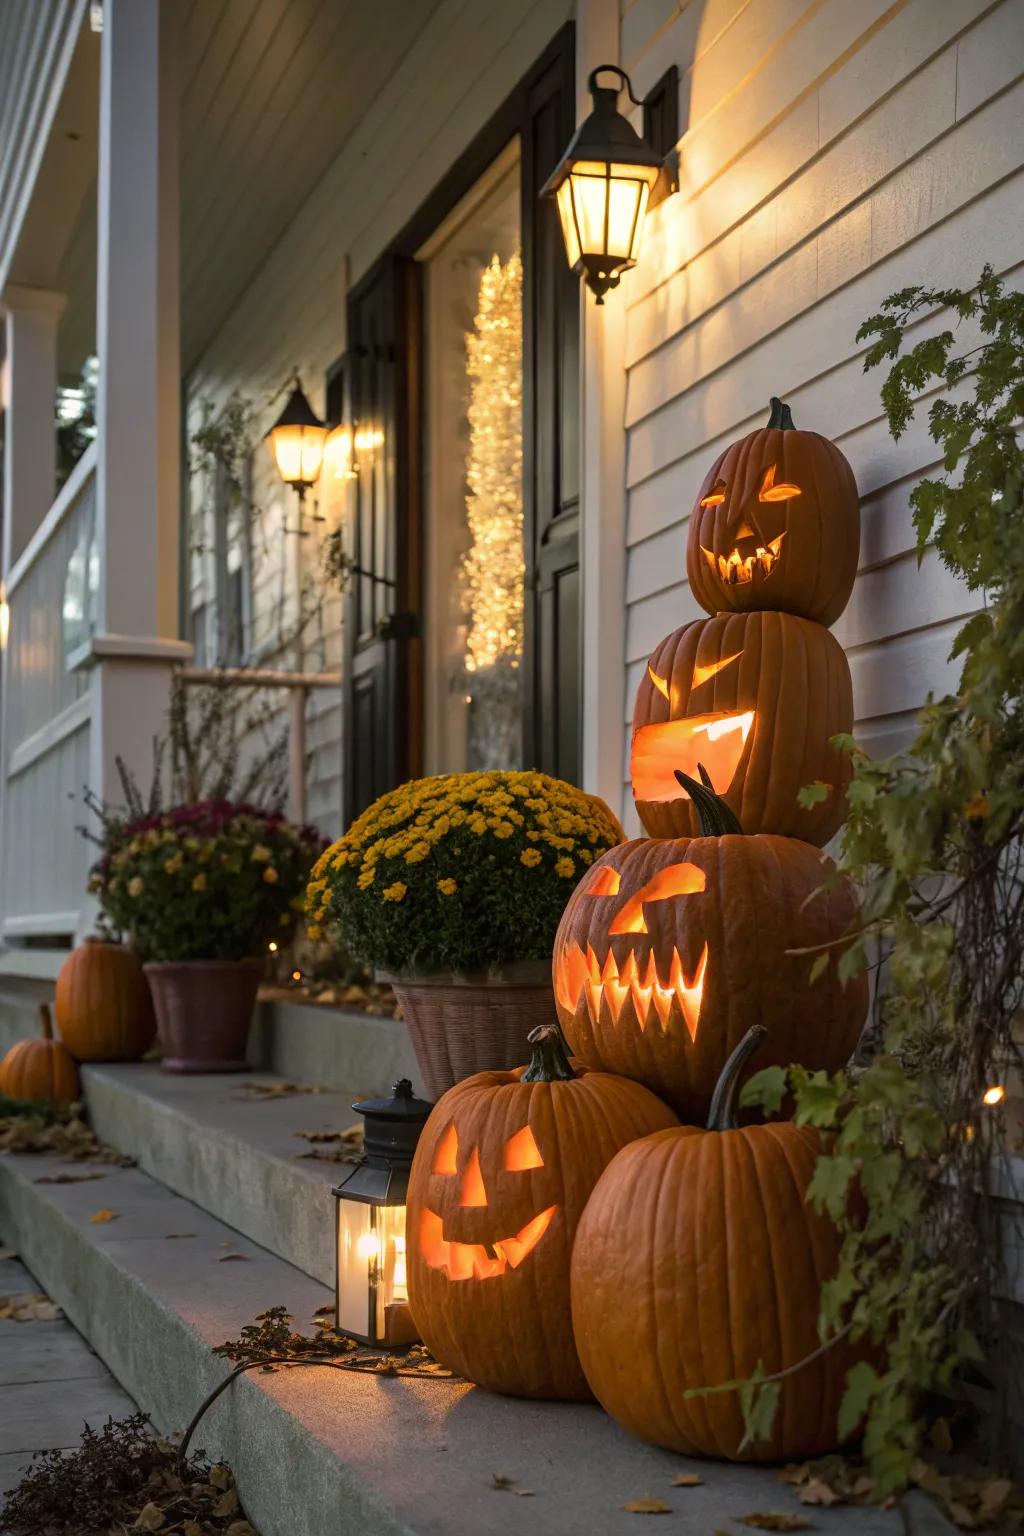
(582, 978)
(737, 570)
(468, 1261)
(716, 740)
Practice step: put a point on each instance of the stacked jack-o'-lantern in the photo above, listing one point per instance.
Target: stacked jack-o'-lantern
(677, 957)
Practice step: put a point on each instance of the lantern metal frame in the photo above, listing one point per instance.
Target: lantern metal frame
(380, 1181)
(606, 137)
(299, 413)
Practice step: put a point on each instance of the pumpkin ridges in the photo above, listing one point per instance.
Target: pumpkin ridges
(40, 1069)
(103, 1005)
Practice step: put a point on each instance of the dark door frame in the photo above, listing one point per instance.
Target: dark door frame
(550, 518)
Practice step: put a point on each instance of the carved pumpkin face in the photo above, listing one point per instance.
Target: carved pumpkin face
(502, 1171)
(776, 525)
(756, 698)
(669, 950)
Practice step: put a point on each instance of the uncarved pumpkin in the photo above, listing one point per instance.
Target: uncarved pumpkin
(104, 1010)
(501, 1174)
(670, 950)
(697, 1259)
(776, 525)
(40, 1069)
(757, 698)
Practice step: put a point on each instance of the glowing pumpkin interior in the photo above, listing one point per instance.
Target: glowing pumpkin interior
(656, 985)
(480, 1261)
(716, 740)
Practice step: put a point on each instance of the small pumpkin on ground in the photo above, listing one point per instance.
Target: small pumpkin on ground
(699, 1258)
(776, 525)
(103, 1005)
(502, 1171)
(40, 1069)
(757, 697)
(669, 950)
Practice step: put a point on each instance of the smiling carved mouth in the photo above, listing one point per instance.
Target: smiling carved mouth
(737, 570)
(466, 1261)
(716, 740)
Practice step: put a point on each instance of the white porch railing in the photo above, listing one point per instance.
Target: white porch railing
(44, 754)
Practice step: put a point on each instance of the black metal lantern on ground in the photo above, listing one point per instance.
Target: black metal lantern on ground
(604, 185)
(372, 1298)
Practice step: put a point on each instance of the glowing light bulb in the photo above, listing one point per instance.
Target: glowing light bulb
(994, 1095)
(272, 946)
(296, 975)
(367, 1246)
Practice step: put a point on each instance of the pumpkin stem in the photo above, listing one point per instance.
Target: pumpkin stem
(722, 1114)
(549, 1062)
(715, 817)
(781, 416)
(46, 1021)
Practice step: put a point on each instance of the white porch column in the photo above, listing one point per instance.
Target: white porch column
(603, 475)
(31, 318)
(139, 390)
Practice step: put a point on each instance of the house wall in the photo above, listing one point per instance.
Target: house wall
(832, 153)
(467, 59)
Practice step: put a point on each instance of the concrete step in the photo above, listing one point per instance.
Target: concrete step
(319, 1453)
(335, 1047)
(236, 1156)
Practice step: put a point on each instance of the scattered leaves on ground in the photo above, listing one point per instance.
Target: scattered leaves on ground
(502, 1484)
(122, 1478)
(971, 1501)
(776, 1522)
(686, 1480)
(334, 1146)
(102, 1215)
(29, 1307)
(258, 1092)
(26, 1127)
(271, 1335)
(647, 1506)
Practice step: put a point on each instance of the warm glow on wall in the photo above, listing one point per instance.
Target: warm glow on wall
(5, 617)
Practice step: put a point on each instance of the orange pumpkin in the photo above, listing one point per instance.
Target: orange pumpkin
(756, 697)
(40, 1069)
(502, 1171)
(104, 1010)
(670, 950)
(698, 1258)
(776, 525)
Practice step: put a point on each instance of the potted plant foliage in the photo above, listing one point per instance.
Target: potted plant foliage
(201, 890)
(451, 888)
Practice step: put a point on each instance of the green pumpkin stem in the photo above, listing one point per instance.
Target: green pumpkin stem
(715, 817)
(781, 416)
(722, 1114)
(549, 1062)
(46, 1021)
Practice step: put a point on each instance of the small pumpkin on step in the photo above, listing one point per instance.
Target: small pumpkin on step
(40, 1069)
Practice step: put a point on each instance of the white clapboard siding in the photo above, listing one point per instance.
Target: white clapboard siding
(468, 56)
(830, 154)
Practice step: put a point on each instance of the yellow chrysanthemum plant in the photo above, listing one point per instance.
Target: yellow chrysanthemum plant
(460, 873)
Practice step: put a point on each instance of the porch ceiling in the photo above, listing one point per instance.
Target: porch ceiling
(271, 89)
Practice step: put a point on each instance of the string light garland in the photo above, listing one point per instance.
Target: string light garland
(493, 569)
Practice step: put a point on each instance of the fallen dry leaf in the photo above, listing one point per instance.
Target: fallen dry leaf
(220, 1476)
(169, 1236)
(103, 1215)
(227, 1504)
(775, 1522)
(240, 1528)
(149, 1518)
(500, 1481)
(191, 1528)
(68, 1178)
(228, 1258)
(686, 1480)
(29, 1307)
(258, 1091)
(647, 1506)
(814, 1491)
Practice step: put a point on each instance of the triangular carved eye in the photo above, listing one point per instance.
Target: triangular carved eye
(446, 1157)
(522, 1152)
(715, 496)
(606, 882)
(771, 492)
(673, 880)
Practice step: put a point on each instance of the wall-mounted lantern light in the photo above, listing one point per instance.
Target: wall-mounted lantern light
(604, 185)
(297, 438)
(372, 1299)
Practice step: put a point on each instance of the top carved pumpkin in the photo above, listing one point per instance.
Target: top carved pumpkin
(776, 525)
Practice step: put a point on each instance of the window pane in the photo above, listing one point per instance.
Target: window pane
(474, 482)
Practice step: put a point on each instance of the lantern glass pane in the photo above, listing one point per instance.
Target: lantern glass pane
(567, 215)
(357, 1252)
(299, 453)
(590, 197)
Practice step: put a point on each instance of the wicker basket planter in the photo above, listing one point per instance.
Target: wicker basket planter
(475, 1023)
(203, 1012)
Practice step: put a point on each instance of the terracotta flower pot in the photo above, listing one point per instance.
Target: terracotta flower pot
(474, 1023)
(203, 1012)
